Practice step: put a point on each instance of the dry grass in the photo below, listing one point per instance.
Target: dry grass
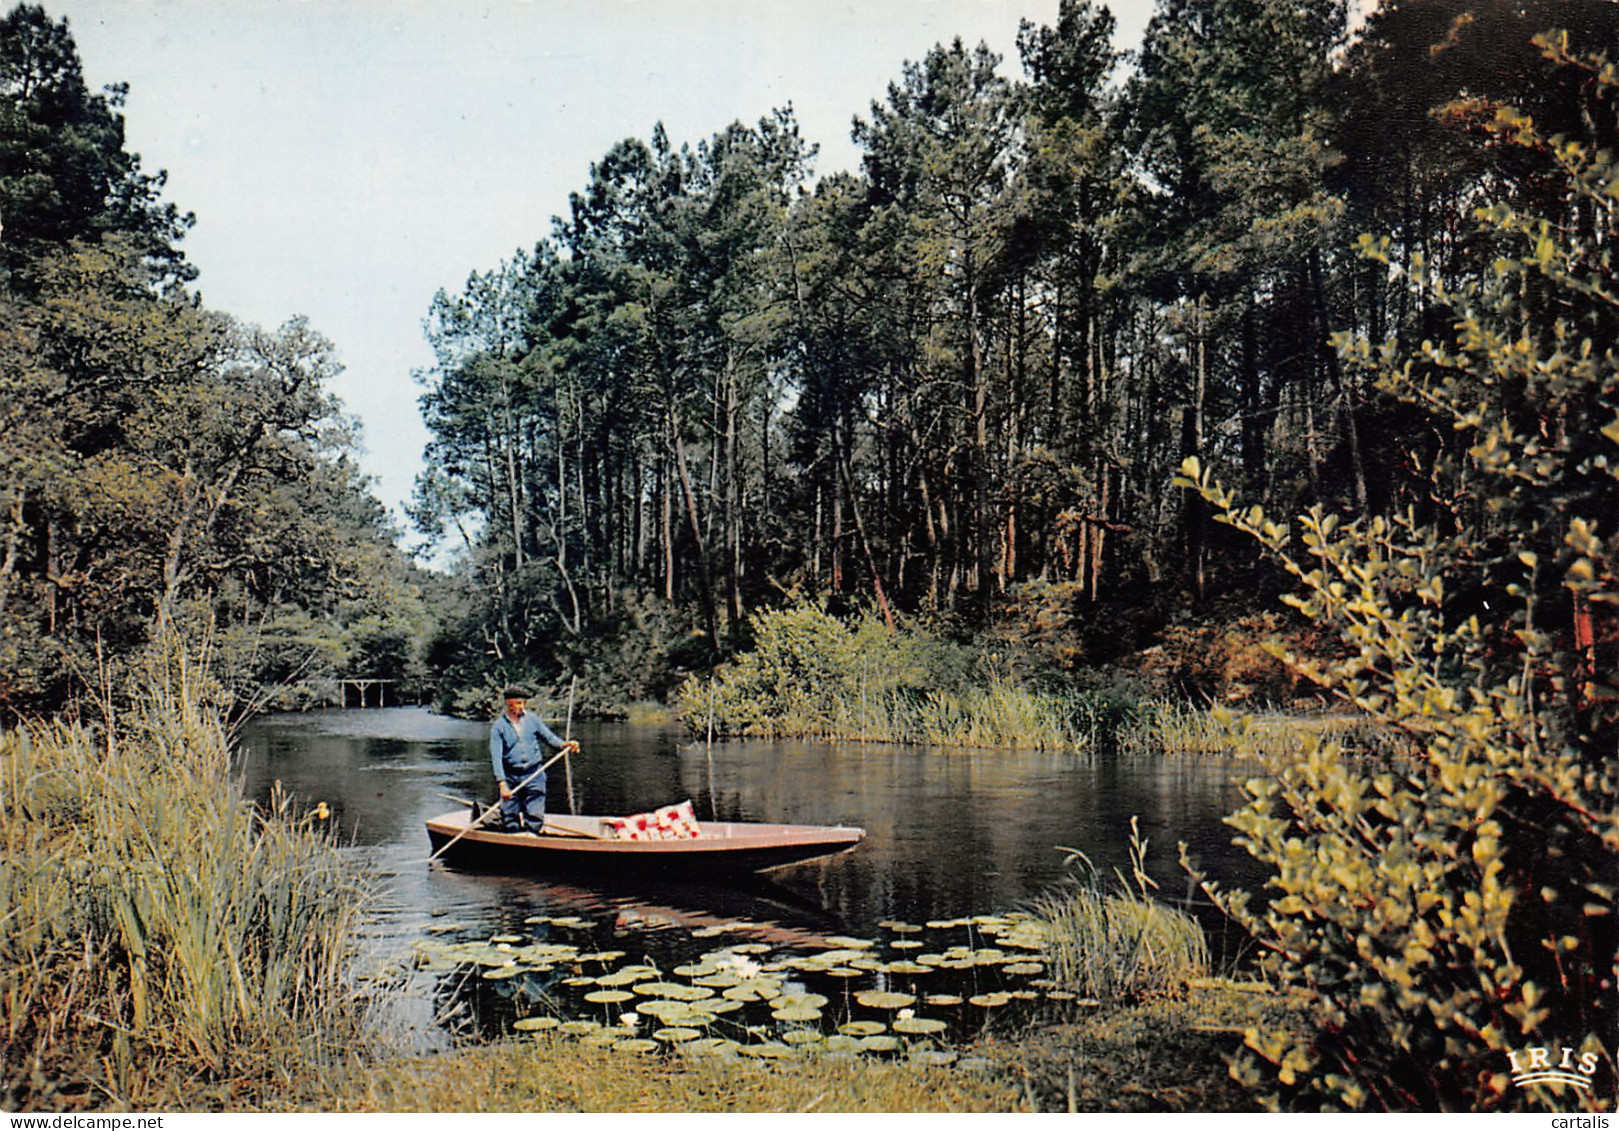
(558, 1075)
(1162, 1055)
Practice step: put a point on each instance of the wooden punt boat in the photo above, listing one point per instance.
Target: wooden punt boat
(580, 842)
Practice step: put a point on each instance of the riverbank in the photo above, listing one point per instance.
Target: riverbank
(168, 945)
(1166, 1055)
(163, 942)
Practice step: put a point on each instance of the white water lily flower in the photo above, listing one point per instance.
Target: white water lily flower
(630, 1020)
(906, 1014)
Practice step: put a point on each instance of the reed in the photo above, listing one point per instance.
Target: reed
(1164, 727)
(163, 943)
(1119, 944)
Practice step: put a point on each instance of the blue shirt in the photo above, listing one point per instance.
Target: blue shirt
(514, 750)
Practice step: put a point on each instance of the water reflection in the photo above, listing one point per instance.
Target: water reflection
(950, 833)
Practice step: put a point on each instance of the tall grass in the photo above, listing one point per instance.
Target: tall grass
(1119, 944)
(161, 942)
(1164, 727)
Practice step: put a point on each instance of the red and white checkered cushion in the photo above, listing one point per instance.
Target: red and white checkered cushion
(672, 822)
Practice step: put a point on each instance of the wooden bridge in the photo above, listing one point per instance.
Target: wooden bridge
(362, 691)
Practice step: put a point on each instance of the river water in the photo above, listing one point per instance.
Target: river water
(950, 835)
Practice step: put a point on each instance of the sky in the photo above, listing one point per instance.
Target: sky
(347, 159)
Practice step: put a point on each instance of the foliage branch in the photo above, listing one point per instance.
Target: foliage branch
(1444, 909)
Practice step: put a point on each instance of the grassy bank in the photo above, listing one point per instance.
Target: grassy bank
(163, 945)
(1165, 727)
(811, 675)
(1162, 1053)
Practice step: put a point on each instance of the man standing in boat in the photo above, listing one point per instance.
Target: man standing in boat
(515, 749)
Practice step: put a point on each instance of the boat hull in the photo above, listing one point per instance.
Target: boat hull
(577, 842)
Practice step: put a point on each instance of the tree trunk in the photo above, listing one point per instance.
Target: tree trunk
(705, 578)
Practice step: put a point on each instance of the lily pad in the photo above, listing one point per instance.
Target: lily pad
(879, 1044)
(796, 1013)
(536, 1024)
(675, 991)
(862, 1028)
(907, 944)
(844, 972)
(903, 967)
(841, 1043)
(884, 999)
(580, 980)
(675, 1034)
(769, 1050)
(809, 1001)
(918, 1026)
(608, 997)
(844, 942)
(635, 1044)
(1023, 968)
(716, 1005)
(990, 1001)
(579, 1028)
(671, 1012)
(508, 939)
(500, 973)
(600, 956)
(944, 999)
(697, 969)
(750, 948)
(801, 1037)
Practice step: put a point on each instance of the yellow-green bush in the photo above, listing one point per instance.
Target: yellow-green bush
(1446, 914)
(811, 675)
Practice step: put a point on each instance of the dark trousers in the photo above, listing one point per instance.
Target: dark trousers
(524, 809)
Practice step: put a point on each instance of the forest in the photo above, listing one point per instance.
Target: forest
(161, 463)
(953, 388)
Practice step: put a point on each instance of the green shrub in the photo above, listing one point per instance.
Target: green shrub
(1444, 914)
(811, 675)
